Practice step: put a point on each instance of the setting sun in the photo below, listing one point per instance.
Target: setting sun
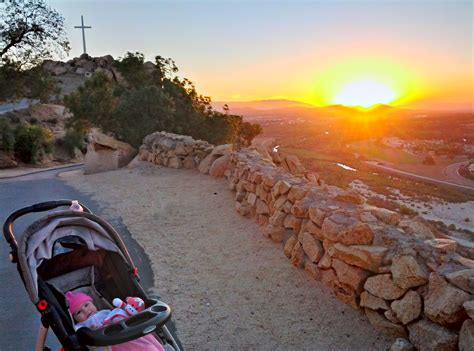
(364, 93)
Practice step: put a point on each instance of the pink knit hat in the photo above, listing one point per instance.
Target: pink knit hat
(76, 299)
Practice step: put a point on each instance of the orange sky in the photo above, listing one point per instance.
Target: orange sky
(421, 51)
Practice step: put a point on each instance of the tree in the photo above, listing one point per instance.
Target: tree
(248, 131)
(429, 160)
(32, 83)
(92, 104)
(31, 31)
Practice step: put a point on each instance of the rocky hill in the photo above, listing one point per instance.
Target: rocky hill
(69, 75)
(72, 74)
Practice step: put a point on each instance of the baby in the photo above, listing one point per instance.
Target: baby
(85, 314)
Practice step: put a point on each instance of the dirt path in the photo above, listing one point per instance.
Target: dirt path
(230, 287)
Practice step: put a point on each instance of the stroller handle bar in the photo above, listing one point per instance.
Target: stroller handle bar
(129, 329)
(39, 207)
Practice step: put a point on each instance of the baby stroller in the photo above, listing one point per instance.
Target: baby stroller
(74, 250)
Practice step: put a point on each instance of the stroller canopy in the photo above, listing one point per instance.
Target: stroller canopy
(38, 242)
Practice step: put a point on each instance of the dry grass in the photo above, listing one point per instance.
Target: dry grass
(324, 163)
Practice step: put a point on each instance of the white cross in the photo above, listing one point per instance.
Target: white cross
(83, 33)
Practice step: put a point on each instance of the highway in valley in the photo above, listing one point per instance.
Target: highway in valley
(456, 180)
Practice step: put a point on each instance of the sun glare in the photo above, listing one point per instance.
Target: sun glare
(364, 93)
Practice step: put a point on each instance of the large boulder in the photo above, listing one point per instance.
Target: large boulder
(106, 61)
(349, 196)
(105, 153)
(58, 70)
(206, 164)
(317, 215)
(463, 279)
(312, 247)
(296, 193)
(408, 308)
(402, 344)
(107, 73)
(175, 162)
(219, 166)
(386, 216)
(373, 302)
(297, 255)
(221, 150)
(289, 245)
(382, 286)
(384, 325)
(346, 230)
(281, 187)
(466, 336)
(407, 273)
(469, 308)
(418, 228)
(293, 165)
(444, 302)
(350, 275)
(429, 336)
(363, 256)
(44, 112)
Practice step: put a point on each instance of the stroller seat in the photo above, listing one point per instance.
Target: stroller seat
(79, 251)
(82, 280)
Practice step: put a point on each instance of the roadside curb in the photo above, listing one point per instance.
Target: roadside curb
(42, 170)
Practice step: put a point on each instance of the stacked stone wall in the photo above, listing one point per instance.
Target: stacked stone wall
(409, 279)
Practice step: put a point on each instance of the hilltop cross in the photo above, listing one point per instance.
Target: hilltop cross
(82, 26)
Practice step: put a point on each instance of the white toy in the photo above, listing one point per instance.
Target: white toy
(123, 310)
(131, 306)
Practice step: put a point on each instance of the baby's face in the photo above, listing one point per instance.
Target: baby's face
(84, 311)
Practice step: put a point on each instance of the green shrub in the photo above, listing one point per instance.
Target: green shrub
(18, 82)
(72, 140)
(7, 136)
(31, 141)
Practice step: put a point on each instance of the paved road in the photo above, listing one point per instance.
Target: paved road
(452, 172)
(460, 187)
(19, 319)
(17, 105)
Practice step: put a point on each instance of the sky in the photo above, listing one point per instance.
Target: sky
(416, 53)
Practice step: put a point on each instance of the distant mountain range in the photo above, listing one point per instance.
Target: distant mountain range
(294, 109)
(260, 104)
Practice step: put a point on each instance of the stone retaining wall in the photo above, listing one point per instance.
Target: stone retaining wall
(407, 277)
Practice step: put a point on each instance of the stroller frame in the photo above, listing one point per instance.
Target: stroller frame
(111, 271)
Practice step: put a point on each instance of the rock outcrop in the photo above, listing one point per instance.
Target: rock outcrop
(104, 153)
(83, 65)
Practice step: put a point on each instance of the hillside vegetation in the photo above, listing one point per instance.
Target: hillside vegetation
(150, 97)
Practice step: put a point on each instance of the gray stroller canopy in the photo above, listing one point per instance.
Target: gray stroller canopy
(37, 243)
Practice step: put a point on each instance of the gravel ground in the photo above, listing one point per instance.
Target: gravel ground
(230, 287)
